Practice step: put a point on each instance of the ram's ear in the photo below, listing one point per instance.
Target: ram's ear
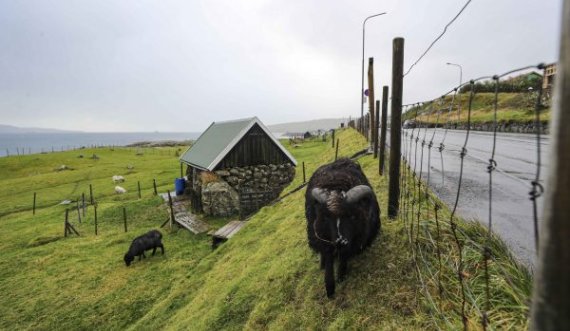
(320, 195)
(358, 192)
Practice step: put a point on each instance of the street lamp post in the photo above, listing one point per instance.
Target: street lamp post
(362, 86)
(460, 82)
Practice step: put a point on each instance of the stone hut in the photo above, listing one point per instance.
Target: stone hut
(236, 167)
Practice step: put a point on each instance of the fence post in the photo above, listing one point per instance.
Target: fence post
(154, 186)
(304, 180)
(139, 188)
(551, 295)
(383, 129)
(78, 211)
(91, 193)
(396, 127)
(95, 211)
(370, 131)
(332, 138)
(336, 152)
(125, 218)
(83, 203)
(34, 206)
(181, 170)
(171, 209)
(376, 123)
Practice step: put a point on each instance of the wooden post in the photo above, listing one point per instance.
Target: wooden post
(171, 209)
(396, 126)
(551, 294)
(125, 218)
(65, 222)
(91, 193)
(383, 129)
(370, 132)
(304, 179)
(376, 122)
(336, 152)
(139, 188)
(332, 138)
(154, 186)
(83, 203)
(95, 211)
(34, 206)
(181, 170)
(78, 211)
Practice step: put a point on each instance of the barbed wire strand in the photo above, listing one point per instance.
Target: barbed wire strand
(438, 37)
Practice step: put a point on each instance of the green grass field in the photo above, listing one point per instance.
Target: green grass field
(265, 277)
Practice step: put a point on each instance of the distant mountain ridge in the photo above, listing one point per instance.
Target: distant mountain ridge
(14, 129)
(312, 125)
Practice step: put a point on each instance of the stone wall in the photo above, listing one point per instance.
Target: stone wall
(258, 178)
(221, 196)
(219, 199)
(501, 127)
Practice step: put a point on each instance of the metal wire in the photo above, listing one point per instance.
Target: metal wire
(487, 250)
(537, 188)
(438, 37)
(453, 224)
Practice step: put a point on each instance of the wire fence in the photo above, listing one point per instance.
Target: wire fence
(456, 262)
(427, 237)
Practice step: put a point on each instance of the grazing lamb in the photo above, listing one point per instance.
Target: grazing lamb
(118, 179)
(149, 240)
(343, 216)
(120, 190)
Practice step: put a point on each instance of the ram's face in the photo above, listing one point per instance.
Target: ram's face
(338, 210)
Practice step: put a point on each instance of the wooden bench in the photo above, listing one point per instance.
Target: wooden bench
(226, 232)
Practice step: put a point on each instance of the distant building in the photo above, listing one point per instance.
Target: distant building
(549, 74)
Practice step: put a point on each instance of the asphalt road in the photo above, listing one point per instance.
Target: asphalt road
(516, 157)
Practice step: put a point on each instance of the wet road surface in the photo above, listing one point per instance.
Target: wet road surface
(516, 157)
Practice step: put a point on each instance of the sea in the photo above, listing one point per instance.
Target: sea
(32, 143)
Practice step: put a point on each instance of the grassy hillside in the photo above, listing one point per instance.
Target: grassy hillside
(511, 108)
(265, 277)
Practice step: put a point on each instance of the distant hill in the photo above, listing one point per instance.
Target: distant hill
(14, 129)
(325, 124)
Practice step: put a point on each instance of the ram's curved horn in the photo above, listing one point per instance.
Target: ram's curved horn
(358, 192)
(320, 195)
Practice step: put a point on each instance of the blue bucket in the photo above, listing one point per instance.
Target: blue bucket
(179, 184)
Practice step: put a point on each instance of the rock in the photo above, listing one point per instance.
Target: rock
(234, 172)
(220, 199)
(257, 175)
(222, 173)
(232, 180)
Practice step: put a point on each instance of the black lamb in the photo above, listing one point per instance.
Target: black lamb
(343, 216)
(149, 240)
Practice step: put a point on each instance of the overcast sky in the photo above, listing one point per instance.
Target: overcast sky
(179, 65)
